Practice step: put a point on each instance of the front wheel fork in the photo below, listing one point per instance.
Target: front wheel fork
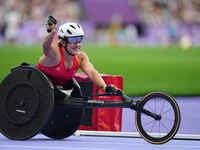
(139, 108)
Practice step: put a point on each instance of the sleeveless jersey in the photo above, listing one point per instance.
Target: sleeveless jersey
(58, 74)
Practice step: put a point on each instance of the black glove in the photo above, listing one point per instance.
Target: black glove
(51, 20)
(111, 89)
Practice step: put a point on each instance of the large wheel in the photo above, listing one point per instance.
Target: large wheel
(65, 119)
(162, 130)
(26, 103)
(63, 123)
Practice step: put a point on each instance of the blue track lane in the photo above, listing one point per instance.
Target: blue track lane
(41, 142)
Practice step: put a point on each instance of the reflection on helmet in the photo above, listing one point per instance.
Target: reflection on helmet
(70, 30)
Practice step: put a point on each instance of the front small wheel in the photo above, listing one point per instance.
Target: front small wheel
(158, 131)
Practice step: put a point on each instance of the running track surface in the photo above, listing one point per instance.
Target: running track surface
(40, 142)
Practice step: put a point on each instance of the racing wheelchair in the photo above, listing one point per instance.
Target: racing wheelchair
(31, 104)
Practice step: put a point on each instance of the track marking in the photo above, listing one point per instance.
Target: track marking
(52, 147)
(101, 143)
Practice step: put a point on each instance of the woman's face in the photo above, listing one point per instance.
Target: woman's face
(72, 47)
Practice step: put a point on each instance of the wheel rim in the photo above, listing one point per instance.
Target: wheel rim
(158, 131)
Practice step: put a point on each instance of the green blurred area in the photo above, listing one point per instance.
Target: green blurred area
(172, 70)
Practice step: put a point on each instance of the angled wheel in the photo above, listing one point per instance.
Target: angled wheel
(26, 103)
(63, 123)
(65, 119)
(162, 130)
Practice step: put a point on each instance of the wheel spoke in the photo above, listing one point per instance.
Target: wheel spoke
(164, 126)
(148, 123)
(152, 126)
(159, 131)
(159, 128)
(162, 107)
(166, 111)
(169, 119)
(149, 108)
(155, 106)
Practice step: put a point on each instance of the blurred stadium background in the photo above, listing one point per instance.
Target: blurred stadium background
(153, 44)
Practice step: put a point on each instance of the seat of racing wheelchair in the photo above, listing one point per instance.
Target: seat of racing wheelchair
(28, 105)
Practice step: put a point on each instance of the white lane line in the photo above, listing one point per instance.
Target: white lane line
(51, 147)
(104, 148)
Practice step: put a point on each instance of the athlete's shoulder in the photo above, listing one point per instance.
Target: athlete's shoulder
(82, 55)
(82, 58)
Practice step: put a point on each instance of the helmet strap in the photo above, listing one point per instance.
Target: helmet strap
(68, 52)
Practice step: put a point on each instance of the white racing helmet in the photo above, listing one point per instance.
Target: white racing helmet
(70, 30)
